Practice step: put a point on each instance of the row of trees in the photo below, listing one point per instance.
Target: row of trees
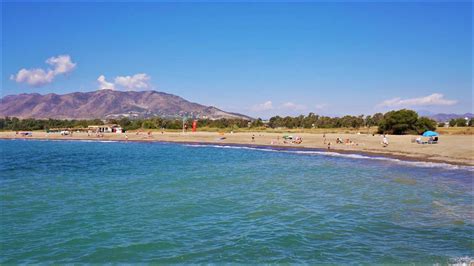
(13, 123)
(460, 122)
(167, 123)
(394, 122)
(315, 121)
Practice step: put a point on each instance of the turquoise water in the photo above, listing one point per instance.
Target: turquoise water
(72, 201)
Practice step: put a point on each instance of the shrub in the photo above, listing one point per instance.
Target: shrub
(404, 122)
(459, 122)
(424, 124)
(398, 122)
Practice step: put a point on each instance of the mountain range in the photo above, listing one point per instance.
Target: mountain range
(442, 117)
(107, 104)
(447, 117)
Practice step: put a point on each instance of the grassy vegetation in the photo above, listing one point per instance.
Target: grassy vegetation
(276, 130)
(455, 130)
(371, 130)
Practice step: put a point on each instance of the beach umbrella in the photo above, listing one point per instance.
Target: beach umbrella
(430, 134)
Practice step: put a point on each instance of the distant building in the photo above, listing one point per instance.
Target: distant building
(111, 128)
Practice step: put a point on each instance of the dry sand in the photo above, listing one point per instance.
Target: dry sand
(454, 149)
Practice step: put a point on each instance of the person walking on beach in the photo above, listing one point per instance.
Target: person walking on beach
(253, 138)
(384, 141)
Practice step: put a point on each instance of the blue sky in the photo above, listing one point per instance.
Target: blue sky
(259, 59)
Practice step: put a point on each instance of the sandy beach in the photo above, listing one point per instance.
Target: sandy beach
(453, 149)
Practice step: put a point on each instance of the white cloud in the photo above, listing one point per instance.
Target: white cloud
(34, 77)
(430, 100)
(268, 105)
(135, 82)
(62, 64)
(37, 77)
(293, 106)
(105, 85)
(129, 83)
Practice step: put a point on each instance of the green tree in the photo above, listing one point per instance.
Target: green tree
(377, 118)
(257, 123)
(310, 120)
(452, 122)
(424, 124)
(399, 122)
(148, 124)
(457, 122)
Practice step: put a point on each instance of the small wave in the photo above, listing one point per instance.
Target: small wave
(87, 140)
(347, 155)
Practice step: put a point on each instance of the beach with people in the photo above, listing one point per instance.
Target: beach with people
(237, 132)
(452, 149)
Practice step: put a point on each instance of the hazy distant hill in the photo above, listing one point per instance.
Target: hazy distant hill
(444, 117)
(106, 104)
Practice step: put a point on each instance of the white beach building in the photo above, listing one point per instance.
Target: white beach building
(111, 128)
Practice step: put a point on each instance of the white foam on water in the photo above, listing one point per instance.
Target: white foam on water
(72, 140)
(461, 261)
(87, 140)
(347, 155)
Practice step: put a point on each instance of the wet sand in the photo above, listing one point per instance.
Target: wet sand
(453, 149)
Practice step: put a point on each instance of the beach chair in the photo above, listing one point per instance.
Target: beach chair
(420, 141)
(433, 140)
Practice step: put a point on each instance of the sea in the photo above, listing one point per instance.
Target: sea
(150, 202)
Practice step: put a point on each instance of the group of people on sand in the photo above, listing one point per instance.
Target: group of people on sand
(295, 140)
(431, 140)
(350, 142)
(149, 134)
(288, 140)
(24, 134)
(346, 141)
(96, 133)
(339, 140)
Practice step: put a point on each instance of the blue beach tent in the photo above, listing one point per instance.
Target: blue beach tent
(430, 134)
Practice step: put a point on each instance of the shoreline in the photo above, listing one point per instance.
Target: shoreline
(275, 147)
